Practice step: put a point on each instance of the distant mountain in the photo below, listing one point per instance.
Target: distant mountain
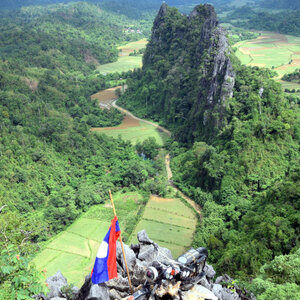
(113, 4)
(281, 4)
(13, 4)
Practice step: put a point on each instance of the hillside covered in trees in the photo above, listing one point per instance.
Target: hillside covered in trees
(236, 148)
(287, 22)
(52, 167)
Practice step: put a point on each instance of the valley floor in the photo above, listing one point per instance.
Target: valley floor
(168, 221)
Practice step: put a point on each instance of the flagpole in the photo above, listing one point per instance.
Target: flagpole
(114, 209)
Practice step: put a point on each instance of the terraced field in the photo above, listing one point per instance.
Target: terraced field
(168, 222)
(73, 251)
(277, 51)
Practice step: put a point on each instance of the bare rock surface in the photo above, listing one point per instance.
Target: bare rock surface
(55, 284)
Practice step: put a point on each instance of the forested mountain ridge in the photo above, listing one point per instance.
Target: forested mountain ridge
(242, 164)
(69, 37)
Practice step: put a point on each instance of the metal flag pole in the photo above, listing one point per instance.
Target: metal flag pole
(129, 280)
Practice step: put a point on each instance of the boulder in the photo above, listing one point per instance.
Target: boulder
(55, 284)
(204, 282)
(227, 294)
(117, 295)
(164, 255)
(129, 254)
(200, 293)
(209, 271)
(224, 293)
(217, 290)
(219, 279)
(119, 284)
(139, 276)
(143, 238)
(147, 253)
(85, 289)
(98, 292)
(114, 295)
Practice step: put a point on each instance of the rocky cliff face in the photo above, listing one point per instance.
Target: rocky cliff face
(139, 257)
(188, 77)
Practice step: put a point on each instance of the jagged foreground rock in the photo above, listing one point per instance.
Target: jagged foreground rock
(139, 257)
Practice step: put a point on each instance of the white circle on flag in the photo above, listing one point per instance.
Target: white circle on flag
(102, 251)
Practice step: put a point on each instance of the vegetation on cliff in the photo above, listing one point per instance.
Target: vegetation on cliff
(236, 153)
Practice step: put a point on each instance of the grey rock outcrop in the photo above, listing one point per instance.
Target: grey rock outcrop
(118, 288)
(130, 256)
(209, 271)
(55, 284)
(143, 237)
(199, 292)
(194, 52)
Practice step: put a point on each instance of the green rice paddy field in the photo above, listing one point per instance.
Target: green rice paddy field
(291, 86)
(137, 133)
(74, 250)
(272, 50)
(125, 62)
(167, 221)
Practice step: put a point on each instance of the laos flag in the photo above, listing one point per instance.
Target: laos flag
(105, 267)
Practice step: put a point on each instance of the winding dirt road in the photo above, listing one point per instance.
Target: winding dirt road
(128, 114)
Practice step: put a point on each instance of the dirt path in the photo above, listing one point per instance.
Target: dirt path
(128, 114)
(167, 157)
(169, 175)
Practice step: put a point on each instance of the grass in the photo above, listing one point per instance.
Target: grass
(125, 62)
(137, 134)
(170, 218)
(134, 45)
(74, 250)
(167, 233)
(169, 223)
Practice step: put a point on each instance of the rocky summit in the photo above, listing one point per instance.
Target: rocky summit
(139, 257)
(187, 77)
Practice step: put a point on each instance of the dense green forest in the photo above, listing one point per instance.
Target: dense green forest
(238, 158)
(242, 170)
(287, 22)
(52, 167)
(63, 36)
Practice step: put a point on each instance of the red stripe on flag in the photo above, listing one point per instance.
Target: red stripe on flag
(112, 257)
